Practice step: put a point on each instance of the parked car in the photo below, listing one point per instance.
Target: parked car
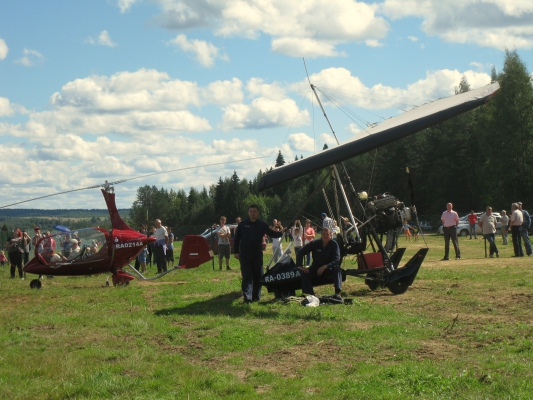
(426, 226)
(463, 229)
(210, 234)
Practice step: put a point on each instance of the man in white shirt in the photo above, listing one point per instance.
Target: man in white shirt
(160, 246)
(450, 220)
(516, 221)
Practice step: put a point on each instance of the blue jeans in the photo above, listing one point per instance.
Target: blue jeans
(490, 238)
(527, 242)
(473, 231)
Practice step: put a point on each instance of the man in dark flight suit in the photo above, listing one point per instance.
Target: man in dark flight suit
(326, 259)
(248, 250)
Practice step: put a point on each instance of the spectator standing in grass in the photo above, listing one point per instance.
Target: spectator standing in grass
(297, 236)
(450, 220)
(3, 258)
(504, 225)
(524, 229)
(15, 252)
(488, 223)
(160, 246)
(327, 222)
(248, 247)
(170, 247)
(406, 230)
(472, 221)
(309, 236)
(516, 221)
(277, 247)
(38, 236)
(224, 246)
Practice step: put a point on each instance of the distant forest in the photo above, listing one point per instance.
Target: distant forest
(480, 158)
(27, 219)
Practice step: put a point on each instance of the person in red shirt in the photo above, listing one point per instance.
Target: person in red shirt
(472, 220)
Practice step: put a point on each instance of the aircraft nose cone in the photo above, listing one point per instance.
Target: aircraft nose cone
(150, 239)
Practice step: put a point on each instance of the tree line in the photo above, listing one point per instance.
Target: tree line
(480, 158)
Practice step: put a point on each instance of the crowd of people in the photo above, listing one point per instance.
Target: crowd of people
(161, 251)
(518, 224)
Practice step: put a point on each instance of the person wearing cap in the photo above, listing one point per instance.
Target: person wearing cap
(327, 222)
(524, 229)
(488, 223)
(75, 250)
(517, 219)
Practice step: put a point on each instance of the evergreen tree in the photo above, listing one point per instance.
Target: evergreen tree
(279, 160)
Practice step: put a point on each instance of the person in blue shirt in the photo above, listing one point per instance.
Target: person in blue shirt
(326, 260)
(248, 249)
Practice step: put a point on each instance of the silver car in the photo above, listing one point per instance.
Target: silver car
(463, 229)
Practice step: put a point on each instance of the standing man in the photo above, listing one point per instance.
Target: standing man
(248, 250)
(517, 220)
(327, 222)
(488, 223)
(524, 228)
(472, 220)
(160, 246)
(224, 248)
(450, 220)
(326, 260)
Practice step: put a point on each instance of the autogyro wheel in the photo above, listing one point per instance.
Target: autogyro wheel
(372, 282)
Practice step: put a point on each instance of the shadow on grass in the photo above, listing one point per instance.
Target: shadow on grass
(229, 304)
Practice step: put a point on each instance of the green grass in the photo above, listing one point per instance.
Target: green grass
(463, 330)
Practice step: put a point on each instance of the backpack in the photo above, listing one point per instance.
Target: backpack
(527, 219)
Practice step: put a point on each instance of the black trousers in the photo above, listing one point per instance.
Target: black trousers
(307, 285)
(160, 258)
(517, 241)
(15, 259)
(251, 271)
(451, 233)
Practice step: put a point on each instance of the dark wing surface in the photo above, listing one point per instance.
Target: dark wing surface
(393, 129)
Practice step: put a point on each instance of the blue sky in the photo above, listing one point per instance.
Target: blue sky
(114, 89)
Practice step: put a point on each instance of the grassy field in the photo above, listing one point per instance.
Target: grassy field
(463, 330)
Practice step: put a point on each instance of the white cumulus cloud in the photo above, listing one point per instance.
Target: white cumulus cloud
(492, 23)
(125, 5)
(8, 109)
(103, 39)
(298, 28)
(205, 53)
(3, 49)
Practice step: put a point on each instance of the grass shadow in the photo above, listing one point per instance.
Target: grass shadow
(225, 304)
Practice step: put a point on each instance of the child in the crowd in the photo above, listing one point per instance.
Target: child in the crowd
(297, 239)
(406, 230)
(2, 258)
(277, 249)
